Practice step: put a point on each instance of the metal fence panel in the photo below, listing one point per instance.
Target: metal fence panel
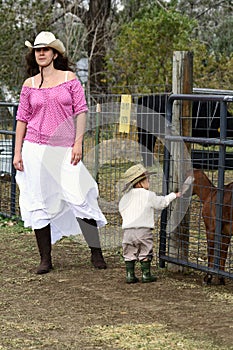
(108, 152)
(203, 241)
(8, 191)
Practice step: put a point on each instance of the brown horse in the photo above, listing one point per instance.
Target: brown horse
(207, 193)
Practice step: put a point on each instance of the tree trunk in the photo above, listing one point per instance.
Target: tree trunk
(97, 16)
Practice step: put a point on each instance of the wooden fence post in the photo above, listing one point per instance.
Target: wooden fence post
(182, 83)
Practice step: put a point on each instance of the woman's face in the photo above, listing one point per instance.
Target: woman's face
(44, 56)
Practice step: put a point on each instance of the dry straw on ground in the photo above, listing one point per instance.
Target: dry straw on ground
(76, 307)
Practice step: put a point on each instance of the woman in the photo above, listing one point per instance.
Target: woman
(58, 196)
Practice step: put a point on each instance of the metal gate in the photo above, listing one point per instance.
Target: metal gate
(8, 192)
(201, 239)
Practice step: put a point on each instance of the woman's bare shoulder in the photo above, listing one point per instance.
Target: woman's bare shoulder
(71, 75)
(29, 81)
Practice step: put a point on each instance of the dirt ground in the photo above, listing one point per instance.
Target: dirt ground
(80, 308)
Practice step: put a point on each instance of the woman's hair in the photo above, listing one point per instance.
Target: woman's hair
(61, 62)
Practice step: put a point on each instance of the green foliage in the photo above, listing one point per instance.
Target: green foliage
(212, 71)
(19, 21)
(214, 23)
(143, 51)
(141, 39)
(13, 224)
(213, 56)
(222, 40)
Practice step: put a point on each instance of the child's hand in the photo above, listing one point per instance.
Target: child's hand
(178, 194)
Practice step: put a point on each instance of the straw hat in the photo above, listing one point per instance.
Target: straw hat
(135, 174)
(46, 39)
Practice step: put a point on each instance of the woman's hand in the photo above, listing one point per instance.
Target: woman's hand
(76, 154)
(18, 162)
(19, 136)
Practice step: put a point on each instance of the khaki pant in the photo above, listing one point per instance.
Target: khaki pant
(137, 244)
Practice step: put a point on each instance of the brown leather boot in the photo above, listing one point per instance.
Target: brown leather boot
(91, 234)
(43, 238)
(97, 258)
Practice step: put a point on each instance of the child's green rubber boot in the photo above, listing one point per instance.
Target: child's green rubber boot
(146, 274)
(130, 274)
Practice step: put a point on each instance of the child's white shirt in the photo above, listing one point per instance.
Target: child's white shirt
(137, 207)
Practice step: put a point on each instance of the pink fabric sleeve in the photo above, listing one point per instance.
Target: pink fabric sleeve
(24, 111)
(78, 97)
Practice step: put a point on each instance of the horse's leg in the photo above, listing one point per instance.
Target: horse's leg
(210, 252)
(225, 241)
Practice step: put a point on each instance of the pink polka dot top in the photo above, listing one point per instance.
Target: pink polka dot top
(50, 112)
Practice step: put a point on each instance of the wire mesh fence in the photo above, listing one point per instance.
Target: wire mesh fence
(109, 152)
(119, 135)
(8, 191)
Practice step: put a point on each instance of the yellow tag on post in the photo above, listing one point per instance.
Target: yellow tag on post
(125, 111)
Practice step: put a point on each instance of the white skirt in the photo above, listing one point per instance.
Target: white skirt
(55, 192)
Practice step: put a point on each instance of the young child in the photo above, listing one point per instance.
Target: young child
(137, 210)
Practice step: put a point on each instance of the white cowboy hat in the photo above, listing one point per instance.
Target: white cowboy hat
(135, 174)
(46, 39)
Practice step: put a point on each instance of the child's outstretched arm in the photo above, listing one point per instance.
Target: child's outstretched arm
(178, 194)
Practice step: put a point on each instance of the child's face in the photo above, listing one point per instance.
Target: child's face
(145, 183)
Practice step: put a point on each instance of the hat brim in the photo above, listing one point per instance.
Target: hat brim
(130, 184)
(56, 44)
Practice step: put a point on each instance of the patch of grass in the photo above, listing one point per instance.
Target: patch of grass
(11, 225)
(154, 336)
